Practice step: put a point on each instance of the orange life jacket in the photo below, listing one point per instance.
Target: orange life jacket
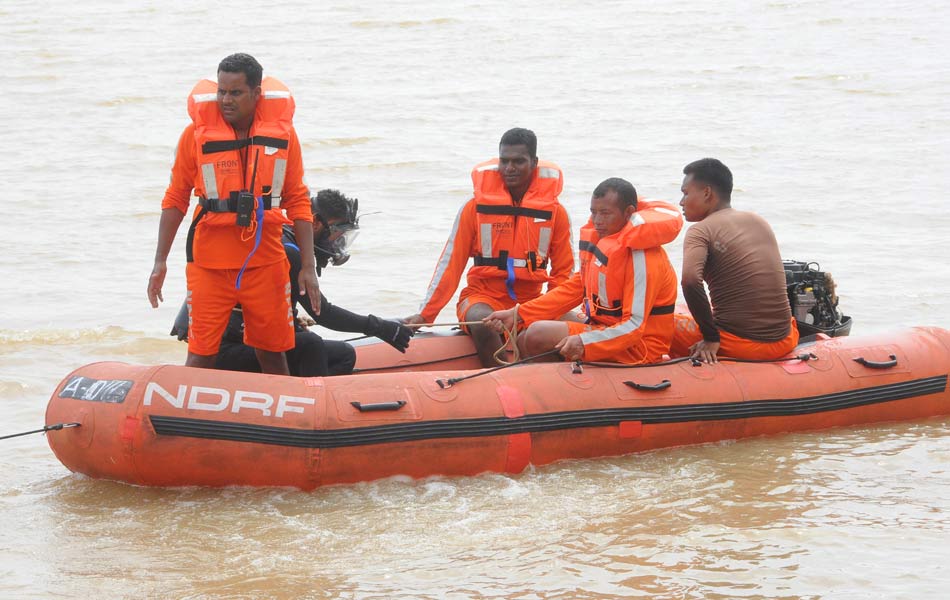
(228, 165)
(513, 240)
(655, 223)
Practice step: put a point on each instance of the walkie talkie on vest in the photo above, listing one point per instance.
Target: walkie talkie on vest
(245, 199)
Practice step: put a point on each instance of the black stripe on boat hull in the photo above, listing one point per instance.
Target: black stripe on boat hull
(488, 426)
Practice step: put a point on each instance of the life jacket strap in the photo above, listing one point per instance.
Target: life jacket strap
(665, 309)
(586, 246)
(190, 241)
(257, 140)
(501, 262)
(513, 211)
(228, 205)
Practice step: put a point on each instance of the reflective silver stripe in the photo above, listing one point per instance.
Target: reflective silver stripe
(205, 97)
(637, 310)
(637, 219)
(485, 234)
(276, 93)
(571, 245)
(603, 300)
(443, 262)
(277, 185)
(211, 182)
(544, 242)
(667, 211)
(548, 173)
(487, 168)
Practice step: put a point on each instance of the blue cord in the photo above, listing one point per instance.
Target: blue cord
(257, 240)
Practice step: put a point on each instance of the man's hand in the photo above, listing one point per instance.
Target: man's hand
(155, 282)
(571, 347)
(500, 320)
(704, 351)
(305, 321)
(395, 334)
(307, 280)
(414, 321)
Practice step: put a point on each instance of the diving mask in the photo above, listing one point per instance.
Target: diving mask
(332, 244)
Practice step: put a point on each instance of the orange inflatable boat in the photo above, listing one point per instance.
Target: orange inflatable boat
(423, 414)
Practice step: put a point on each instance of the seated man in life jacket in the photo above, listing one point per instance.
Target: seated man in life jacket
(626, 285)
(336, 225)
(735, 253)
(516, 232)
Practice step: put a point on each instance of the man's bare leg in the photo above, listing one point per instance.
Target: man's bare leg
(201, 361)
(542, 336)
(272, 362)
(487, 342)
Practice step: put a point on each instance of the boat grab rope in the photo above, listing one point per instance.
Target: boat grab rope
(447, 383)
(804, 357)
(577, 364)
(55, 427)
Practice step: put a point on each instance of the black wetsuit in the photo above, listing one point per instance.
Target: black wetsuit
(311, 356)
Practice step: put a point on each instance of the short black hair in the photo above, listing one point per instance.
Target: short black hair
(243, 63)
(714, 174)
(332, 204)
(626, 193)
(521, 136)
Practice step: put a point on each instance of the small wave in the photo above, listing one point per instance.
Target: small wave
(11, 389)
(56, 337)
(111, 341)
(879, 93)
(402, 24)
(370, 167)
(343, 142)
(122, 100)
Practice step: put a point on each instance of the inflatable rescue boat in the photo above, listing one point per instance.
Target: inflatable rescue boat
(433, 412)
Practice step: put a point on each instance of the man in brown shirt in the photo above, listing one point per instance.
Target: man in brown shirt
(747, 313)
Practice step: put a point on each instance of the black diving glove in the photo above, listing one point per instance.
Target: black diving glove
(395, 334)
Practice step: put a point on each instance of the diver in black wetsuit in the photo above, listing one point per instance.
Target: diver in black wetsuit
(335, 226)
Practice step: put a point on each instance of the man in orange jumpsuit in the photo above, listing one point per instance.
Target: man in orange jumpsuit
(517, 233)
(626, 286)
(735, 253)
(242, 158)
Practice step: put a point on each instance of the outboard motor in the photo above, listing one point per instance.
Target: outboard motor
(814, 303)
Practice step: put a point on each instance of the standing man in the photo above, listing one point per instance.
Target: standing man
(515, 229)
(242, 158)
(746, 314)
(626, 285)
(335, 226)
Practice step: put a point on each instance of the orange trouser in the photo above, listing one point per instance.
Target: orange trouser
(264, 298)
(633, 355)
(494, 294)
(686, 333)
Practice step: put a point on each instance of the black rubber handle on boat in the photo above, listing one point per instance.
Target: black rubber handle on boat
(654, 388)
(378, 406)
(877, 365)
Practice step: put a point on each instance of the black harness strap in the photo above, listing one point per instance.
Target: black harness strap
(617, 310)
(513, 211)
(257, 140)
(586, 246)
(190, 242)
(228, 205)
(501, 262)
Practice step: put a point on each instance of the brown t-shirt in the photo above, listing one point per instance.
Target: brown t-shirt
(737, 256)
